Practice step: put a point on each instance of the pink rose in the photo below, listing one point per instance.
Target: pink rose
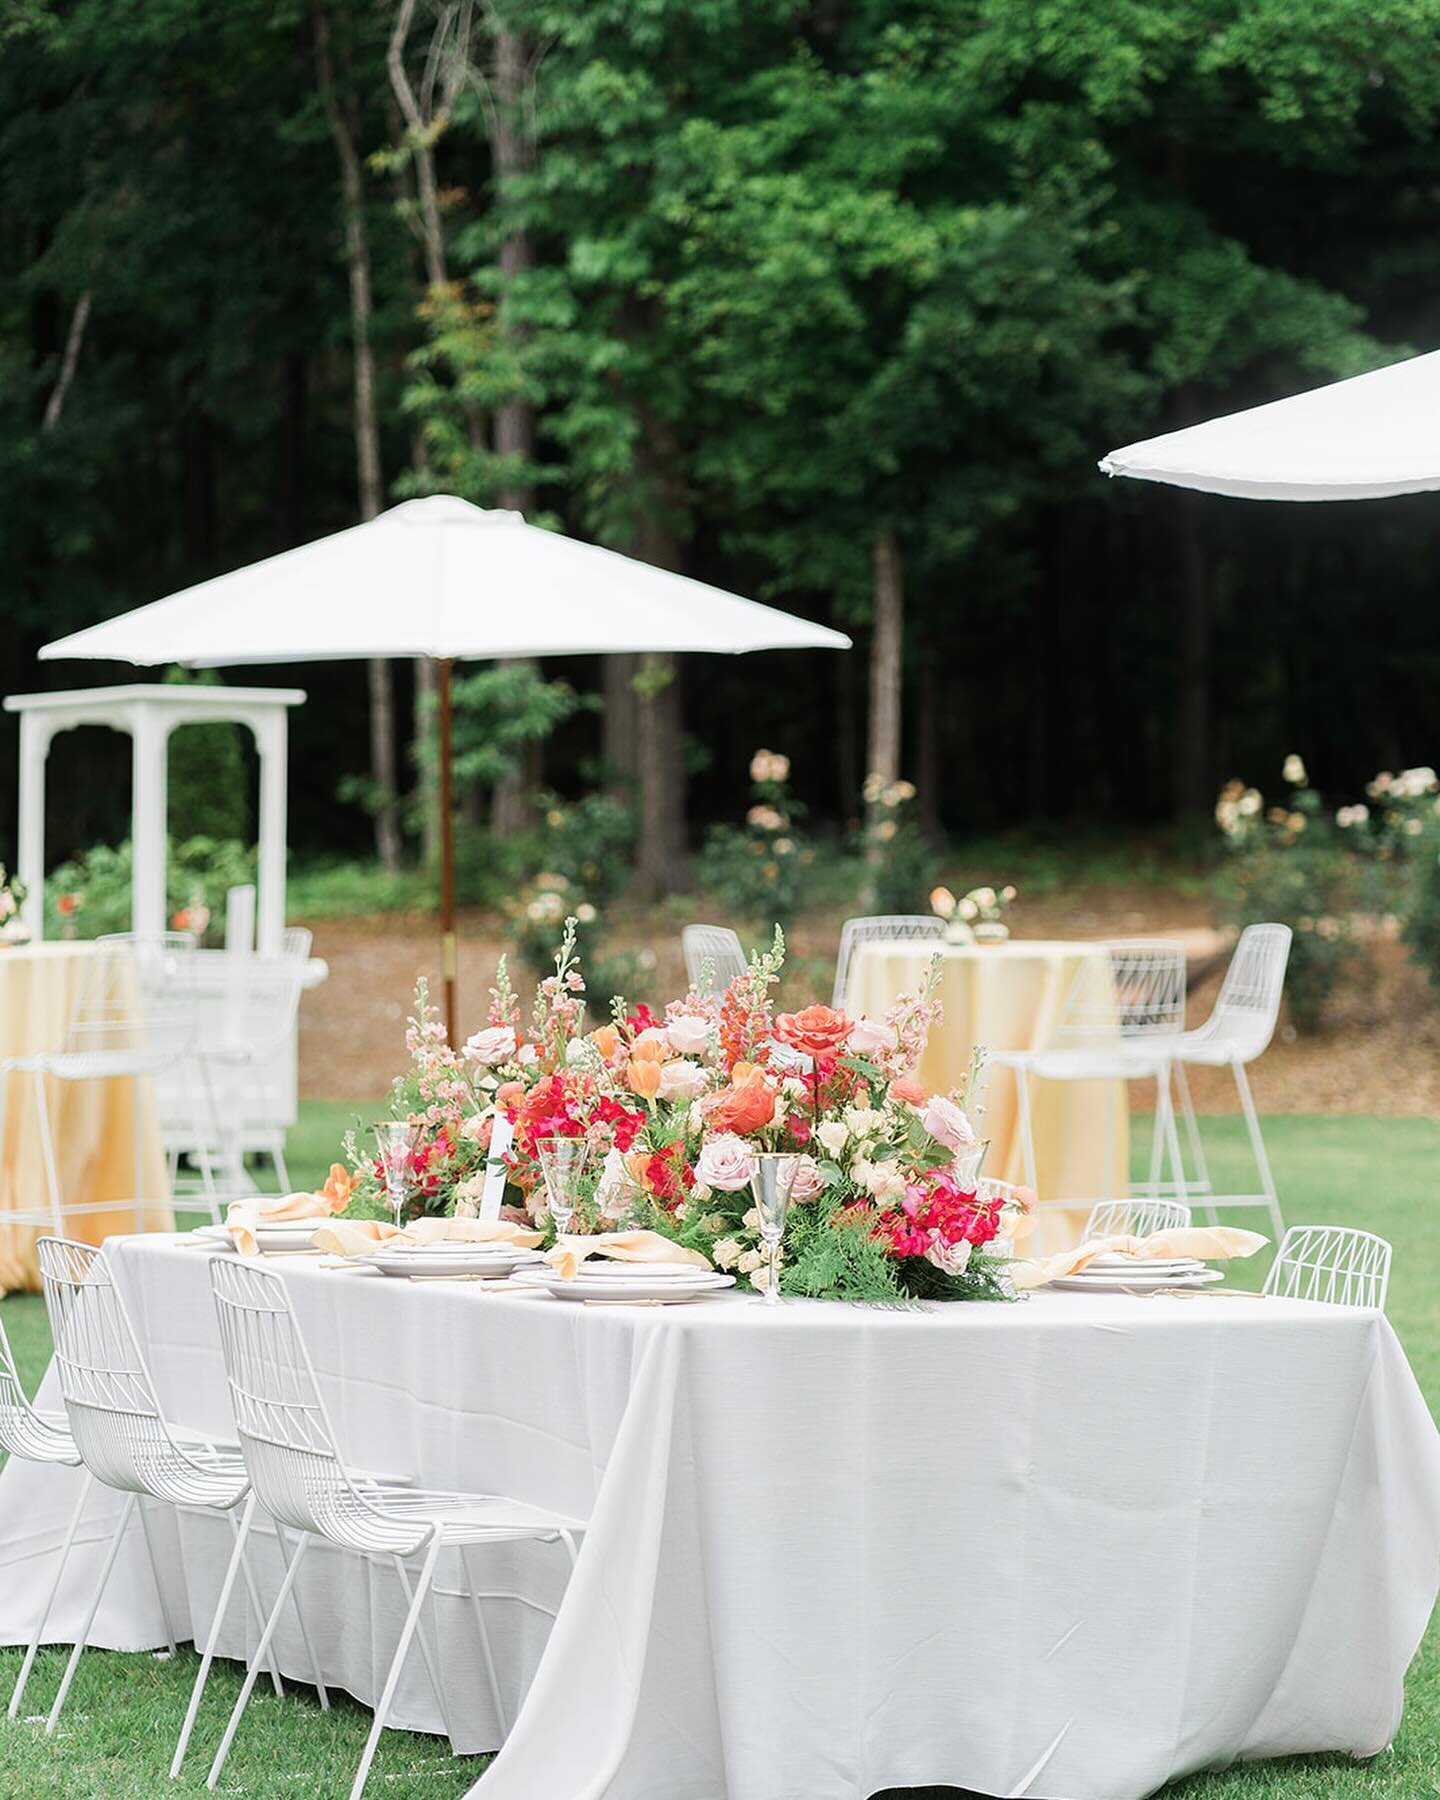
(725, 1163)
(809, 1182)
(681, 1080)
(496, 1044)
(946, 1123)
(870, 1037)
(689, 1034)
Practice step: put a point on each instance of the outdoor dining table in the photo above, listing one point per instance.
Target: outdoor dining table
(93, 1121)
(1009, 996)
(1068, 1547)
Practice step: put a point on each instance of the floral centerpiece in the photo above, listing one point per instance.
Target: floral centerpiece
(13, 929)
(675, 1106)
(976, 917)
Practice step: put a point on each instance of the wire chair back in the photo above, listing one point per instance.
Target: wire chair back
(713, 957)
(1248, 1004)
(138, 993)
(262, 996)
(284, 1428)
(1135, 1218)
(1331, 1263)
(24, 1432)
(882, 928)
(1136, 991)
(115, 1415)
(296, 941)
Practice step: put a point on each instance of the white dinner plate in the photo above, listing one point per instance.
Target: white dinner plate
(1138, 1283)
(282, 1234)
(603, 1268)
(432, 1261)
(637, 1287)
(1155, 1264)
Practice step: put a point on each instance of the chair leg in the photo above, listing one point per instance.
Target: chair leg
(257, 1613)
(486, 1655)
(1165, 1114)
(1202, 1183)
(222, 1606)
(137, 1163)
(1157, 1146)
(115, 1541)
(282, 1173)
(47, 1153)
(33, 1646)
(1027, 1130)
(1257, 1148)
(261, 1650)
(322, 1692)
(387, 1697)
(155, 1571)
(430, 1654)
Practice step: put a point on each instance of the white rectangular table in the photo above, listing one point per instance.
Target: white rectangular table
(1067, 1548)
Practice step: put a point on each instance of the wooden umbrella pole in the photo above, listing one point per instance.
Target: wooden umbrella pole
(447, 841)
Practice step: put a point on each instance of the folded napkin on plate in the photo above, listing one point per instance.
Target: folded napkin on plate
(353, 1237)
(245, 1217)
(620, 1246)
(1206, 1243)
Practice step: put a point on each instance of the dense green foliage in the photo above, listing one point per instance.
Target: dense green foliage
(762, 284)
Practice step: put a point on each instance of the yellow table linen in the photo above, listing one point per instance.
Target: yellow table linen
(1207, 1243)
(620, 1246)
(92, 1122)
(1008, 997)
(353, 1237)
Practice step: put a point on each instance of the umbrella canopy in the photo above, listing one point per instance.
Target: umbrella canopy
(441, 578)
(1362, 439)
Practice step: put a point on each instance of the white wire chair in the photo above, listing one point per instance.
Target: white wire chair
(1238, 1031)
(43, 1437)
(125, 1441)
(300, 1478)
(256, 1025)
(1331, 1263)
(883, 928)
(713, 955)
(1135, 1218)
(135, 1016)
(1120, 1021)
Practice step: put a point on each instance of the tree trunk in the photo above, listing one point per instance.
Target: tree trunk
(1193, 768)
(511, 150)
(69, 362)
(927, 752)
(886, 644)
(618, 726)
(380, 676)
(659, 744)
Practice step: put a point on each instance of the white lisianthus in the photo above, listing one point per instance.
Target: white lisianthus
(688, 1034)
(860, 1121)
(794, 1089)
(496, 1044)
(832, 1133)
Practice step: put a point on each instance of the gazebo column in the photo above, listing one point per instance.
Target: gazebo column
(35, 735)
(149, 834)
(271, 740)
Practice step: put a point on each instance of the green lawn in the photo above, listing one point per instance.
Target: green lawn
(118, 1729)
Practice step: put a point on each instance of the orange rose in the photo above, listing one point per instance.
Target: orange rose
(908, 1090)
(818, 1031)
(744, 1107)
(643, 1076)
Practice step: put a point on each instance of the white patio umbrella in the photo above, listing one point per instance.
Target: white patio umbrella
(1363, 439)
(443, 579)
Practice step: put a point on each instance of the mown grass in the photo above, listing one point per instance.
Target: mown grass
(118, 1729)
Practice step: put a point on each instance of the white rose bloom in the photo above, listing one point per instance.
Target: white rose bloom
(751, 1221)
(496, 1044)
(688, 1034)
(726, 1254)
(953, 1259)
(832, 1133)
(726, 1162)
(748, 1261)
(681, 1080)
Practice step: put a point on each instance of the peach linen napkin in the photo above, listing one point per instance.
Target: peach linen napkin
(245, 1217)
(354, 1237)
(620, 1246)
(1207, 1243)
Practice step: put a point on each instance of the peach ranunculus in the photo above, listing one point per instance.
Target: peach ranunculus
(743, 1107)
(339, 1185)
(908, 1091)
(817, 1031)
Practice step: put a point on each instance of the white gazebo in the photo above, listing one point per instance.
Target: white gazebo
(149, 712)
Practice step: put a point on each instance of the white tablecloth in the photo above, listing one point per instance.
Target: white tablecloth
(1067, 1548)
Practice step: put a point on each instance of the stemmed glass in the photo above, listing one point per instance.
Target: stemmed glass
(770, 1182)
(563, 1161)
(398, 1140)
